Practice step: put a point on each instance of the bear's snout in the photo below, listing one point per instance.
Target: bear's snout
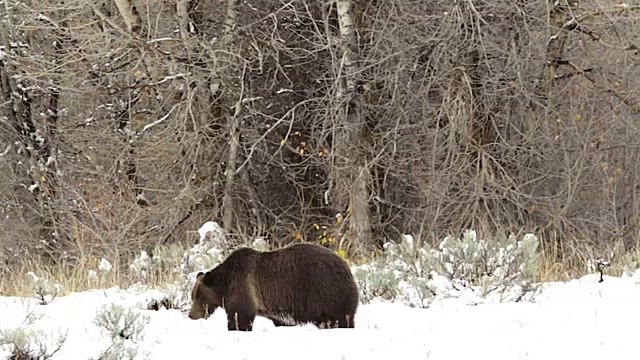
(193, 315)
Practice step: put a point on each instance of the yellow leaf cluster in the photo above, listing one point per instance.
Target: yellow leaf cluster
(302, 147)
(324, 237)
(318, 227)
(327, 240)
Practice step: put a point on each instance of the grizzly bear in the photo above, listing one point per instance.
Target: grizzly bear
(300, 283)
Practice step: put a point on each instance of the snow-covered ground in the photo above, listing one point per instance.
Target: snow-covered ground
(580, 319)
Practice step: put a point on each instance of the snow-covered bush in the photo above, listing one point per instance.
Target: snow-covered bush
(374, 280)
(124, 327)
(43, 290)
(141, 267)
(119, 350)
(403, 268)
(468, 267)
(175, 296)
(146, 269)
(30, 344)
(208, 252)
(489, 267)
(179, 266)
(121, 323)
(173, 260)
(104, 268)
(104, 265)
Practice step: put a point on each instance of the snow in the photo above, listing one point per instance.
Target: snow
(581, 319)
(206, 228)
(104, 265)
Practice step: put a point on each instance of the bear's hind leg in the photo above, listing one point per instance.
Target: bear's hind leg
(345, 321)
(277, 322)
(323, 323)
(319, 324)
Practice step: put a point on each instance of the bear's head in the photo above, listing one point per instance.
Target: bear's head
(207, 294)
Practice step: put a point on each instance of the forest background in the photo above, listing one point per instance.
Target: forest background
(126, 124)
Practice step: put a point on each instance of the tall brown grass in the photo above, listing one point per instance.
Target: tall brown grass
(555, 264)
(76, 277)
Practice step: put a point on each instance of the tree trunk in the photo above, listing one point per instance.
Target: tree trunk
(36, 141)
(182, 9)
(233, 125)
(558, 16)
(234, 142)
(129, 14)
(352, 173)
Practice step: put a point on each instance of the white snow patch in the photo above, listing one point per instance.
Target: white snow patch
(206, 228)
(104, 265)
(207, 252)
(142, 263)
(579, 319)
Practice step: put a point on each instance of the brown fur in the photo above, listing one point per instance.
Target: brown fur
(301, 283)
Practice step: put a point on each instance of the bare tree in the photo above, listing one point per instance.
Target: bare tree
(31, 119)
(346, 123)
(351, 174)
(129, 14)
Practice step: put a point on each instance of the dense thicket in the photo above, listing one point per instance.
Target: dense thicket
(128, 123)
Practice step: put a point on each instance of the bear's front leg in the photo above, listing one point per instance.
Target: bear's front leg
(241, 308)
(240, 319)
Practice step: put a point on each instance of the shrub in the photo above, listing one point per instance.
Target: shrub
(489, 268)
(418, 275)
(43, 290)
(121, 323)
(118, 349)
(23, 343)
(208, 252)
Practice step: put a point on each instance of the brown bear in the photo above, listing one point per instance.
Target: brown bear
(300, 283)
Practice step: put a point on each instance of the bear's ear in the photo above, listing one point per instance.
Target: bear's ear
(200, 275)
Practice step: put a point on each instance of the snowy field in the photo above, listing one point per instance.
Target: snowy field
(580, 319)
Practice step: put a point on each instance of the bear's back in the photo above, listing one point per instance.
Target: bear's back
(304, 260)
(305, 279)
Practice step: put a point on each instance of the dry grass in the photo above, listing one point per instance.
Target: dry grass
(570, 261)
(564, 264)
(77, 277)
(72, 277)
(556, 268)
